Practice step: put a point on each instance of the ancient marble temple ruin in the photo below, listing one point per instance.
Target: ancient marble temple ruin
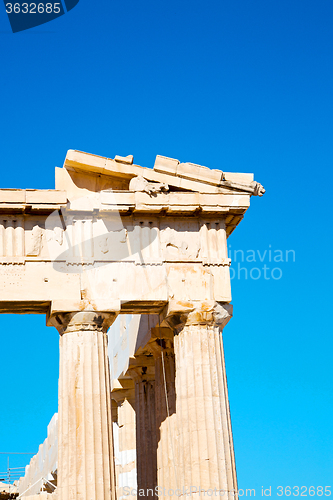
(130, 265)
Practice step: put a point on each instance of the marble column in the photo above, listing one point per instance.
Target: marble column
(144, 378)
(85, 460)
(124, 434)
(165, 409)
(204, 455)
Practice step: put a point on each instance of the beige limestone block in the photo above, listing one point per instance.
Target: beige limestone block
(12, 195)
(166, 165)
(198, 172)
(124, 159)
(238, 177)
(46, 196)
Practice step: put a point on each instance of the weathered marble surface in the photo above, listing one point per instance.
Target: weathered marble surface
(146, 250)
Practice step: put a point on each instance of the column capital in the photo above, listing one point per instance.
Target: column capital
(123, 389)
(141, 368)
(209, 313)
(67, 322)
(120, 395)
(159, 345)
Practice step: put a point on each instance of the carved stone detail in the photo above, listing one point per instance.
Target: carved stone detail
(210, 314)
(180, 247)
(12, 238)
(35, 247)
(139, 183)
(83, 321)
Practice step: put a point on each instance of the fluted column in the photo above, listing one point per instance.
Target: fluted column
(85, 460)
(124, 433)
(144, 378)
(165, 408)
(203, 441)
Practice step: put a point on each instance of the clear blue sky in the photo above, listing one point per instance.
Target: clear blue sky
(237, 85)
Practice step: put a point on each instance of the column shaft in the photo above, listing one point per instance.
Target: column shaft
(85, 462)
(124, 433)
(146, 436)
(165, 401)
(205, 457)
(146, 442)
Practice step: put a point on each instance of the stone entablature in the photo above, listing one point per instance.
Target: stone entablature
(53, 239)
